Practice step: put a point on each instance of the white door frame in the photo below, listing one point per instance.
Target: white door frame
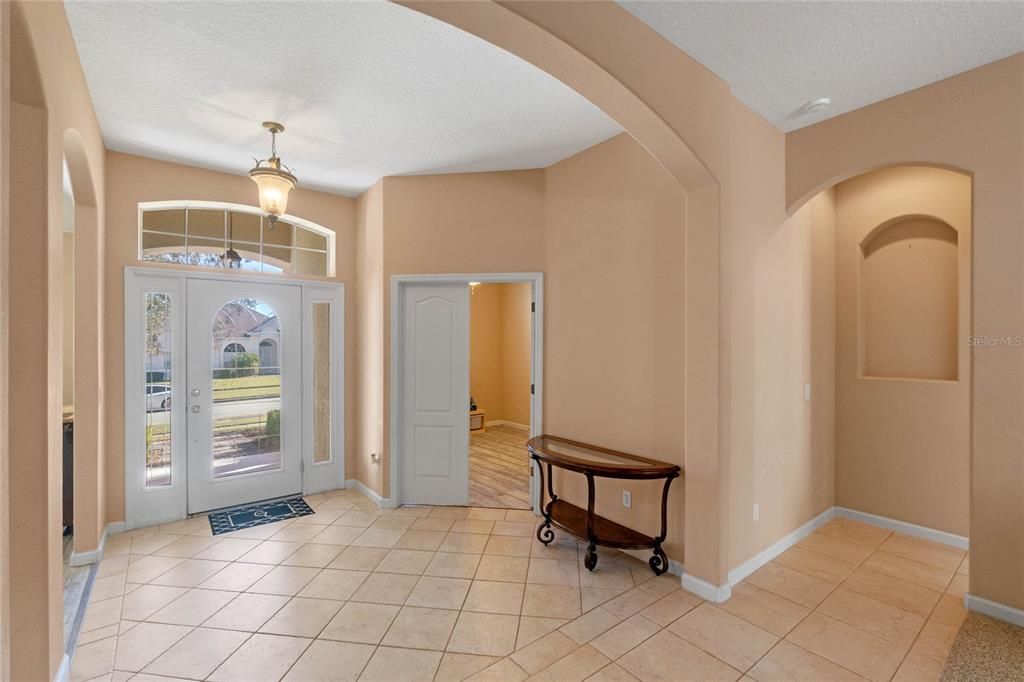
(397, 342)
(315, 477)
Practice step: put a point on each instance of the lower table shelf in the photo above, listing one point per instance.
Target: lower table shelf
(573, 519)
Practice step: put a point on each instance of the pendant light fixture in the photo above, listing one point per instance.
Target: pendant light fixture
(232, 259)
(273, 178)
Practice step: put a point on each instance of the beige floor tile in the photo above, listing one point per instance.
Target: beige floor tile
(145, 677)
(632, 601)
(439, 593)
(931, 553)
(247, 612)
(612, 672)
(628, 634)
(592, 597)
(193, 607)
(256, 532)
(428, 540)
(435, 523)
(143, 602)
(892, 591)
(408, 561)
(263, 658)
(508, 545)
(297, 534)
(457, 667)
(269, 552)
(197, 654)
(337, 535)
(965, 566)
(323, 517)
(847, 646)
(907, 569)
(356, 518)
(672, 606)
(450, 512)
(189, 573)
(313, 555)
(186, 546)
(874, 617)
(554, 572)
(334, 584)
(286, 580)
(939, 633)
(855, 531)
(418, 628)
(386, 588)
(452, 565)
(562, 548)
(950, 611)
(302, 617)
(359, 558)
(151, 543)
(414, 510)
(815, 565)
(579, 665)
(468, 525)
(591, 624)
(793, 585)
(543, 652)
(724, 636)
(486, 513)
(101, 614)
(764, 609)
(389, 664)
(378, 537)
(515, 528)
(503, 568)
(361, 623)
(504, 670)
(958, 586)
(144, 569)
(917, 668)
(532, 628)
(612, 575)
(551, 601)
(494, 597)
(488, 634)
(336, 661)
(667, 658)
(463, 543)
(112, 565)
(138, 647)
(787, 661)
(227, 549)
(93, 660)
(236, 577)
(843, 550)
(97, 634)
(401, 522)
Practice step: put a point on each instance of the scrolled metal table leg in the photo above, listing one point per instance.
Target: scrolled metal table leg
(590, 560)
(658, 562)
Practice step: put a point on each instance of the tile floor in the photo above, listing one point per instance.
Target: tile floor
(356, 592)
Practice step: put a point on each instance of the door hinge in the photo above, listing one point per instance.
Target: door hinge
(533, 306)
(302, 466)
(531, 389)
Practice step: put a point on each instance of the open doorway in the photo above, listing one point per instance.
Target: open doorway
(499, 389)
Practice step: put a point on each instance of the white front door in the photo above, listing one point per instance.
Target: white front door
(435, 394)
(244, 402)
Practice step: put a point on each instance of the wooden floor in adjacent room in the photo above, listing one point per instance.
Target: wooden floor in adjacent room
(499, 468)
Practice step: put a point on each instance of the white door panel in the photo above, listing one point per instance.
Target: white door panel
(435, 394)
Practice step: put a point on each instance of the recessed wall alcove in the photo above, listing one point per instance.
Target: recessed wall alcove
(909, 290)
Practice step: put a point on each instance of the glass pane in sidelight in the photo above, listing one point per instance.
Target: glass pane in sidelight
(246, 348)
(321, 382)
(158, 389)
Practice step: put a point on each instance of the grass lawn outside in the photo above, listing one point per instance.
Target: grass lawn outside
(246, 388)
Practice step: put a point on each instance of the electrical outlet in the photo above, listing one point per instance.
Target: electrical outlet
(807, 391)
(627, 499)
(757, 511)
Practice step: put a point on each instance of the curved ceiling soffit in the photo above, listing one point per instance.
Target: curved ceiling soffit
(501, 25)
(840, 176)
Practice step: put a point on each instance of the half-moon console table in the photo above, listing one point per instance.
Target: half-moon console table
(597, 462)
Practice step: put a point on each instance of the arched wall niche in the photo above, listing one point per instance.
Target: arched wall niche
(908, 293)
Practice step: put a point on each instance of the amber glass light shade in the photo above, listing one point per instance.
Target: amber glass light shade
(274, 185)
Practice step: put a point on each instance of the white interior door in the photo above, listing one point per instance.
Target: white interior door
(244, 402)
(435, 394)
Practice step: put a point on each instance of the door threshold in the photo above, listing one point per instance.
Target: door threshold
(244, 504)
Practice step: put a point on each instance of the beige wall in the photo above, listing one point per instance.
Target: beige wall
(970, 122)
(615, 320)
(902, 442)
(68, 322)
(499, 350)
(133, 179)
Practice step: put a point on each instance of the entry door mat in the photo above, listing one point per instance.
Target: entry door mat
(258, 514)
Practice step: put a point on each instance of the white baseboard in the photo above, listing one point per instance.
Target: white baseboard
(994, 609)
(702, 588)
(384, 502)
(779, 546)
(505, 422)
(93, 556)
(940, 536)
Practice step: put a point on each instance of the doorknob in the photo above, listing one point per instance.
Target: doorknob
(194, 392)
(195, 408)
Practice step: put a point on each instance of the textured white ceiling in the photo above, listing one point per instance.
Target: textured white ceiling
(778, 55)
(365, 89)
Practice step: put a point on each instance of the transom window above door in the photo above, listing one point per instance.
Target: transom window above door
(219, 235)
